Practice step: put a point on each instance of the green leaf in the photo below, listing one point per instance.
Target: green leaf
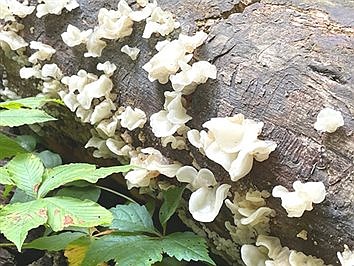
(17, 219)
(186, 246)
(30, 102)
(19, 117)
(126, 250)
(5, 177)
(26, 172)
(21, 196)
(54, 242)
(27, 142)
(9, 147)
(7, 190)
(132, 218)
(90, 193)
(50, 159)
(172, 199)
(66, 211)
(60, 175)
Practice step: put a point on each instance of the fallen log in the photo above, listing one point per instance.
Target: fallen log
(278, 62)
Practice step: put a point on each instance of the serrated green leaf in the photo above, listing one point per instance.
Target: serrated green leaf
(50, 159)
(19, 117)
(82, 193)
(171, 201)
(27, 142)
(126, 250)
(60, 175)
(30, 102)
(66, 211)
(5, 177)
(55, 242)
(132, 218)
(17, 219)
(186, 246)
(9, 147)
(26, 172)
(21, 196)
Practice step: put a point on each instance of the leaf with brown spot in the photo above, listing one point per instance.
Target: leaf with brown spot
(18, 218)
(66, 211)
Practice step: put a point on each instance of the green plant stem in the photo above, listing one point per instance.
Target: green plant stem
(117, 193)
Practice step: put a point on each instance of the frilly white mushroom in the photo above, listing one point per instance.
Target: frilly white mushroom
(205, 203)
(187, 80)
(78, 82)
(73, 36)
(278, 255)
(13, 40)
(166, 122)
(112, 25)
(300, 200)
(328, 120)
(152, 163)
(132, 52)
(44, 52)
(55, 7)
(251, 216)
(346, 258)
(95, 89)
(102, 111)
(253, 256)
(161, 22)
(11, 8)
(132, 118)
(94, 45)
(51, 70)
(178, 142)
(107, 67)
(144, 13)
(101, 149)
(28, 72)
(233, 143)
(207, 198)
(177, 52)
(108, 127)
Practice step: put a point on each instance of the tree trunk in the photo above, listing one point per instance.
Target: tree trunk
(279, 62)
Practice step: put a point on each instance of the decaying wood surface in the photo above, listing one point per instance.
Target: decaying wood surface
(279, 62)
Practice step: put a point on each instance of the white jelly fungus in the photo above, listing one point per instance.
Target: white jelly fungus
(300, 200)
(233, 143)
(207, 197)
(132, 118)
(328, 120)
(132, 52)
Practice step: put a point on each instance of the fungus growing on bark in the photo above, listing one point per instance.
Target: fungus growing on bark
(346, 258)
(300, 200)
(233, 143)
(132, 118)
(328, 120)
(44, 52)
(55, 7)
(73, 36)
(132, 52)
(207, 197)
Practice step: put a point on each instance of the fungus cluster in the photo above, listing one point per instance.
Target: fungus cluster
(302, 198)
(233, 143)
(207, 197)
(251, 216)
(268, 251)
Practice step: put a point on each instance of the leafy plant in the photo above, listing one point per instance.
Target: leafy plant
(26, 172)
(24, 111)
(131, 239)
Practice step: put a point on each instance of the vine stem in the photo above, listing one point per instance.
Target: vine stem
(116, 193)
